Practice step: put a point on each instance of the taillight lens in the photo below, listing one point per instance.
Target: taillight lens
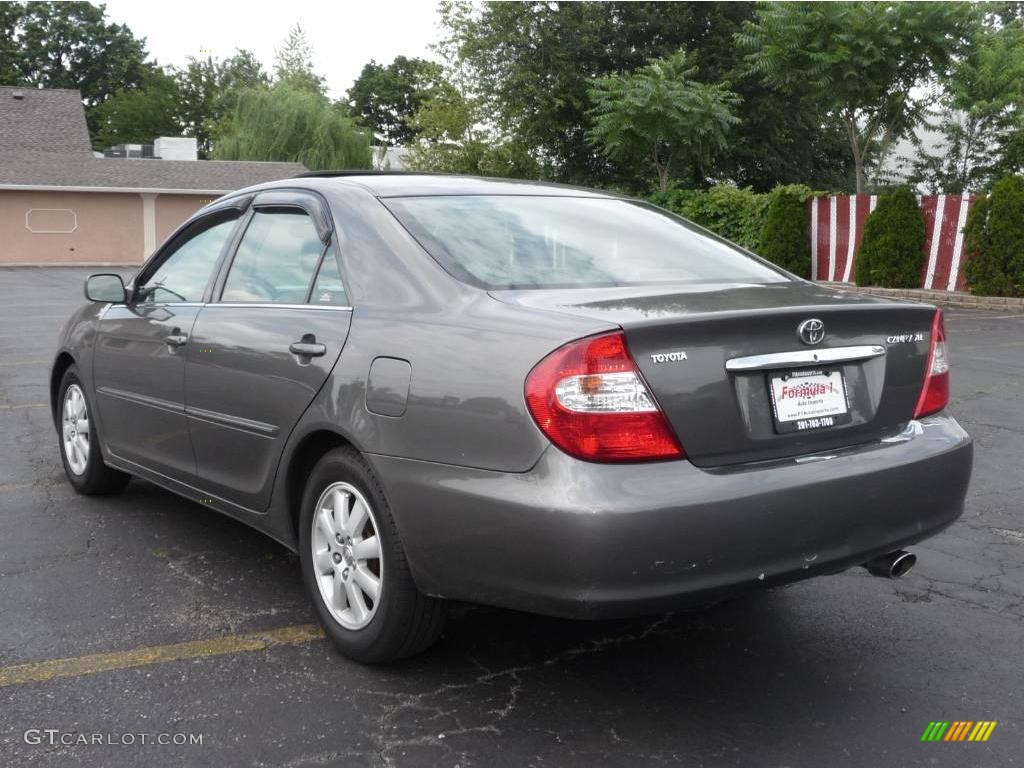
(935, 391)
(589, 399)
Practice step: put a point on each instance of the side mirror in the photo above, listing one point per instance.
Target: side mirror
(105, 288)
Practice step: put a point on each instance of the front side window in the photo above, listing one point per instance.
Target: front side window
(505, 241)
(276, 259)
(184, 275)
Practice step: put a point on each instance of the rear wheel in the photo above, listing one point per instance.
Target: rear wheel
(354, 567)
(80, 449)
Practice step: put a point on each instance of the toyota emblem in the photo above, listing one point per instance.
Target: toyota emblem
(811, 331)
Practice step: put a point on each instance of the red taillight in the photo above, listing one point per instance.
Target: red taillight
(589, 399)
(935, 391)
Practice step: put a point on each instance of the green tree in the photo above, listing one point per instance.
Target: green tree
(784, 238)
(452, 137)
(860, 60)
(891, 251)
(139, 115)
(293, 63)
(982, 114)
(208, 93)
(10, 54)
(387, 97)
(658, 114)
(534, 63)
(994, 234)
(70, 45)
(290, 124)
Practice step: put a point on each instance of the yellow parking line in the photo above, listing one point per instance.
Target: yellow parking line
(24, 362)
(40, 671)
(23, 405)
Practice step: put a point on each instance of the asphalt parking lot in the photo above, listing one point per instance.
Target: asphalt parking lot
(841, 670)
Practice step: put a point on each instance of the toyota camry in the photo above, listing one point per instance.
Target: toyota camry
(439, 388)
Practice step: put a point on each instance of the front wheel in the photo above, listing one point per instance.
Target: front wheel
(354, 567)
(80, 449)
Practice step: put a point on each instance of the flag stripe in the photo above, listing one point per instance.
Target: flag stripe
(836, 226)
(833, 236)
(956, 280)
(852, 239)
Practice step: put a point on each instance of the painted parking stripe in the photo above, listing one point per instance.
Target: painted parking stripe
(23, 405)
(41, 671)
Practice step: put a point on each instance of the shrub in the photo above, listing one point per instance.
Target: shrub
(784, 238)
(891, 251)
(735, 213)
(994, 240)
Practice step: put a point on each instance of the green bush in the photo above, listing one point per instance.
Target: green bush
(994, 240)
(891, 251)
(784, 237)
(735, 213)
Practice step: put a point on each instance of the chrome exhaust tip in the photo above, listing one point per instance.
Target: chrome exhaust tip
(891, 565)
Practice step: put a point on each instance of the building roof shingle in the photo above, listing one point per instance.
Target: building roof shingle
(50, 169)
(50, 120)
(44, 142)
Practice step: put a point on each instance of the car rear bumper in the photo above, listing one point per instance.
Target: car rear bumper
(576, 539)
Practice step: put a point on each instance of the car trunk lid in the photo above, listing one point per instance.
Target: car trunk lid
(722, 359)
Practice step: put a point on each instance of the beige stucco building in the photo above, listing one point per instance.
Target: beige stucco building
(61, 204)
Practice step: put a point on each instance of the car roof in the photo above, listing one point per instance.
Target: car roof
(404, 184)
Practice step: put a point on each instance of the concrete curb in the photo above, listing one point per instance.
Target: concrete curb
(941, 298)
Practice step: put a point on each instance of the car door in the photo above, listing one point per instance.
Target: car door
(264, 348)
(139, 361)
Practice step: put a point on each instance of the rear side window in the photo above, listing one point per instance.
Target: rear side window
(184, 274)
(276, 259)
(328, 290)
(508, 241)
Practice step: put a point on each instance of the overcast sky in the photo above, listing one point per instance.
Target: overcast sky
(344, 34)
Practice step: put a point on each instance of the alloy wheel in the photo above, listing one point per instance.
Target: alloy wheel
(347, 557)
(75, 429)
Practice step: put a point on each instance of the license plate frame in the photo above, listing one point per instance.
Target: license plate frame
(807, 414)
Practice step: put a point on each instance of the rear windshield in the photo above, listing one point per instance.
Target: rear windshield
(515, 242)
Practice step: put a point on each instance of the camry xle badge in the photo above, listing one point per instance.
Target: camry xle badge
(811, 331)
(904, 338)
(669, 357)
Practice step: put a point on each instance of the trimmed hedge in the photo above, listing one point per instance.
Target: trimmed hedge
(784, 238)
(891, 251)
(735, 213)
(994, 240)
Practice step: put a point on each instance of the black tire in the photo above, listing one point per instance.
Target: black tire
(97, 479)
(405, 622)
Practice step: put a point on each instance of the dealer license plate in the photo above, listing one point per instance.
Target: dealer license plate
(803, 400)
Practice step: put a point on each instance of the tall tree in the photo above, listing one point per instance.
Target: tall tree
(658, 114)
(209, 91)
(139, 115)
(286, 123)
(862, 60)
(533, 63)
(293, 63)
(452, 136)
(70, 45)
(386, 97)
(982, 115)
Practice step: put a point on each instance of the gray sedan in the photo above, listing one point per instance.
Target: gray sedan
(552, 399)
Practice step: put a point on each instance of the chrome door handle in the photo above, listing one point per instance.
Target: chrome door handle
(176, 340)
(308, 347)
